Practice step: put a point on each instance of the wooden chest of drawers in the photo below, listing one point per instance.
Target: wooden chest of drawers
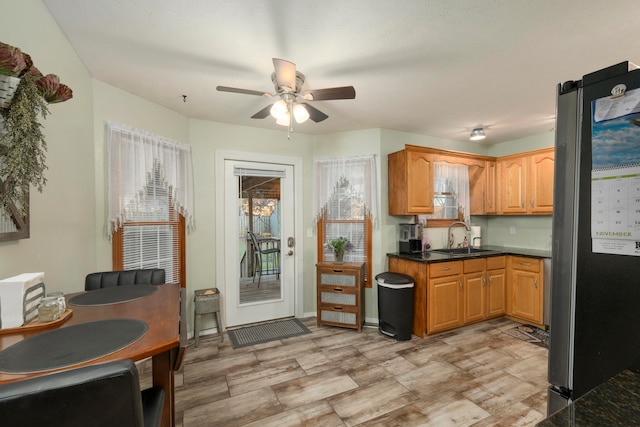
(340, 294)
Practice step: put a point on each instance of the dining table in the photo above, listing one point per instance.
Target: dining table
(151, 321)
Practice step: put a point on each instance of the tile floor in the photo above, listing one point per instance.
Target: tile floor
(474, 376)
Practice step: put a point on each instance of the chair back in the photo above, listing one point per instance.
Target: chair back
(254, 241)
(105, 279)
(106, 394)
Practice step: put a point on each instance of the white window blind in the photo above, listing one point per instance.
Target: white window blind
(346, 206)
(146, 176)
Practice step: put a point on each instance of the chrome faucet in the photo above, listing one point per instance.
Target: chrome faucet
(449, 237)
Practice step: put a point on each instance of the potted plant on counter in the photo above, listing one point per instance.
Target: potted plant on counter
(339, 246)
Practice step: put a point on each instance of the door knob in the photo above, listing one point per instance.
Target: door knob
(290, 253)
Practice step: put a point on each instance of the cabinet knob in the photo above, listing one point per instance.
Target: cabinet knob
(483, 282)
(490, 279)
(460, 285)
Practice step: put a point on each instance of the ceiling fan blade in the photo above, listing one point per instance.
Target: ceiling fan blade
(263, 113)
(344, 92)
(314, 114)
(244, 91)
(285, 73)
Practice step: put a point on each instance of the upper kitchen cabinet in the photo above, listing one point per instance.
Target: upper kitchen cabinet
(512, 184)
(410, 182)
(525, 182)
(490, 203)
(541, 182)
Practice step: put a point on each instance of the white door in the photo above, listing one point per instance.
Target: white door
(260, 269)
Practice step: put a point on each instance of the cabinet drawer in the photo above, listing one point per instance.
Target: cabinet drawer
(526, 264)
(495, 262)
(339, 278)
(474, 265)
(330, 297)
(442, 269)
(338, 314)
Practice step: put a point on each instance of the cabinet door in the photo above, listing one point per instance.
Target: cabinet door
(540, 194)
(477, 189)
(475, 297)
(419, 182)
(445, 303)
(526, 296)
(496, 292)
(491, 175)
(513, 186)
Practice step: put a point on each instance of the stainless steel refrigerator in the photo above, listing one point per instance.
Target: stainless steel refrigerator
(595, 299)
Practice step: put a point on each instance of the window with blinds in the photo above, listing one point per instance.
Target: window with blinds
(152, 233)
(345, 215)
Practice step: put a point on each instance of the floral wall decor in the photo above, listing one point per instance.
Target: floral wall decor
(25, 94)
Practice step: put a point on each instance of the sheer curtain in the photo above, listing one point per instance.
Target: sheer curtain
(453, 180)
(135, 156)
(358, 171)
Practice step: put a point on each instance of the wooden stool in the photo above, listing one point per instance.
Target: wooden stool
(207, 301)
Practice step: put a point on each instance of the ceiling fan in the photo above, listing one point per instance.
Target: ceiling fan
(288, 87)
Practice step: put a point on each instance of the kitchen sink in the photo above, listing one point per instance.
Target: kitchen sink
(462, 251)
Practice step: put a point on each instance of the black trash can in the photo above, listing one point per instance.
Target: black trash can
(395, 305)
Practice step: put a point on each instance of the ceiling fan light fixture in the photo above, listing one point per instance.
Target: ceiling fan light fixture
(284, 120)
(477, 134)
(300, 113)
(279, 109)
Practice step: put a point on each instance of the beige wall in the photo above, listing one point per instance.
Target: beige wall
(62, 243)
(68, 237)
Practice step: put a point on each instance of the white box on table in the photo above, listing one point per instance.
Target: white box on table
(19, 299)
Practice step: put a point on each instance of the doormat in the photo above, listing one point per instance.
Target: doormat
(266, 332)
(530, 334)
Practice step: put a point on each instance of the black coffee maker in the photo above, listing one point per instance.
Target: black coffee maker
(410, 241)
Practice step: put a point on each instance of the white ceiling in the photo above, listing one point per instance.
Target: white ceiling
(429, 67)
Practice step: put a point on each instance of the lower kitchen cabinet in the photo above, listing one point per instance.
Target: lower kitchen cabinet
(525, 292)
(455, 293)
(340, 295)
(475, 290)
(445, 296)
(496, 286)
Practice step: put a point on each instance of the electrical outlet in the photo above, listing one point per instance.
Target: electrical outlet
(512, 230)
(309, 232)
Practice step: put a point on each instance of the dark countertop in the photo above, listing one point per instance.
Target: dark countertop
(430, 256)
(614, 403)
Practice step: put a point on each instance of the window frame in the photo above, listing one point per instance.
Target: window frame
(117, 243)
(368, 241)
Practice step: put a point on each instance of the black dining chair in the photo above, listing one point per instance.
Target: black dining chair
(106, 279)
(100, 395)
(258, 253)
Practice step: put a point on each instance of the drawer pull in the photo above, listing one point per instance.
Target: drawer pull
(525, 264)
(535, 282)
(338, 289)
(337, 271)
(446, 269)
(337, 308)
